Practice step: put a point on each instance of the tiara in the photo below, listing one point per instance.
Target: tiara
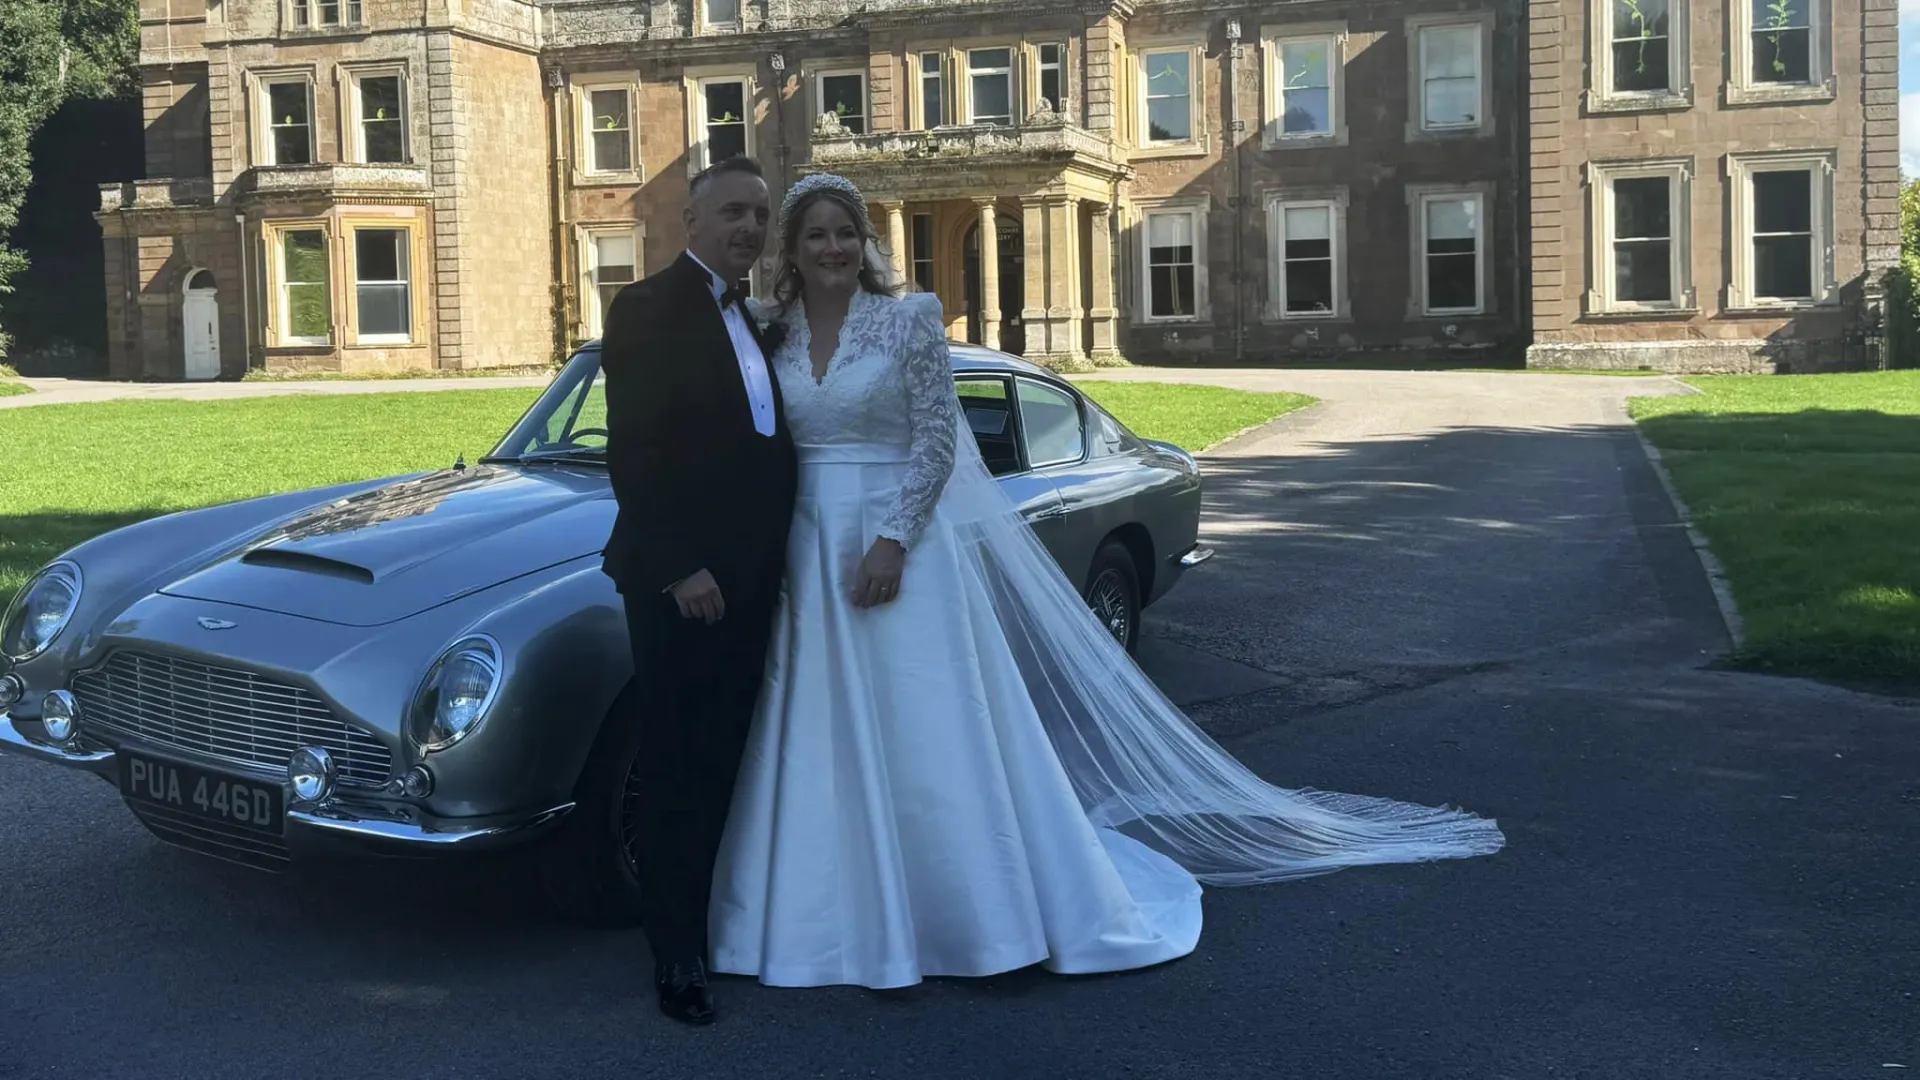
(818, 182)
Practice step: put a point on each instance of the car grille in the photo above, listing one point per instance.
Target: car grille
(222, 713)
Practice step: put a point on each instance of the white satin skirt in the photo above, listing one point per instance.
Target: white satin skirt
(899, 812)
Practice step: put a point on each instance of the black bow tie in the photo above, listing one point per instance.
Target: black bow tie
(732, 297)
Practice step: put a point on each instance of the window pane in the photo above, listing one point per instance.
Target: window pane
(843, 95)
(1169, 98)
(992, 99)
(1641, 208)
(1640, 66)
(1452, 102)
(290, 123)
(1305, 224)
(1783, 202)
(722, 12)
(1783, 267)
(381, 123)
(303, 271)
(1309, 286)
(932, 107)
(1453, 260)
(1306, 88)
(613, 257)
(1172, 289)
(1449, 51)
(1782, 41)
(1170, 232)
(726, 120)
(1051, 420)
(1643, 271)
(380, 282)
(1634, 19)
(612, 139)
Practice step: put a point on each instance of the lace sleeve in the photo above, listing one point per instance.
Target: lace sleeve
(933, 417)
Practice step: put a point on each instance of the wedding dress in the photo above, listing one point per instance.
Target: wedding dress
(975, 777)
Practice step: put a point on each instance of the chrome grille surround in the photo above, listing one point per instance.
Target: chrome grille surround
(221, 713)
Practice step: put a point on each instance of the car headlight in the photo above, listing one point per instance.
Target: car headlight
(40, 612)
(458, 691)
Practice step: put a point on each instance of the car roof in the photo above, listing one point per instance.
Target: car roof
(966, 357)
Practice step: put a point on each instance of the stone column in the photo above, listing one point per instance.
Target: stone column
(897, 237)
(1033, 311)
(989, 273)
(1063, 282)
(1104, 348)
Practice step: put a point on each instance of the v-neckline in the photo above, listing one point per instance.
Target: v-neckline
(819, 378)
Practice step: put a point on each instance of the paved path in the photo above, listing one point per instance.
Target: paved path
(1448, 588)
(82, 391)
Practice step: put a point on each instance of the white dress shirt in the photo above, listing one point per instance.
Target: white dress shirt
(753, 363)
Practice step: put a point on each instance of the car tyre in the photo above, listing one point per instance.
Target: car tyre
(1113, 592)
(586, 872)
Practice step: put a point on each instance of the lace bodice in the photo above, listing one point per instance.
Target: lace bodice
(890, 386)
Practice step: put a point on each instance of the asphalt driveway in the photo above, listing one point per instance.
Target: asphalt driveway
(1447, 588)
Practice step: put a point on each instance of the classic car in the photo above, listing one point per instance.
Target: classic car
(422, 664)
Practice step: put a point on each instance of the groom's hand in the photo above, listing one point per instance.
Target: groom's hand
(699, 598)
(879, 579)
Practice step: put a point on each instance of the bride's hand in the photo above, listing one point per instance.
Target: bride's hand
(879, 579)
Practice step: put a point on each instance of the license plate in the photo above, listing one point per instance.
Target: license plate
(211, 795)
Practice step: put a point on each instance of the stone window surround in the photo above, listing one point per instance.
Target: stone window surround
(1141, 210)
(1275, 201)
(1272, 37)
(1418, 195)
(260, 127)
(277, 319)
(590, 318)
(583, 88)
(816, 89)
(1601, 97)
(1600, 176)
(353, 19)
(1740, 168)
(1199, 144)
(1740, 87)
(352, 144)
(917, 81)
(696, 80)
(961, 94)
(1416, 130)
(350, 227)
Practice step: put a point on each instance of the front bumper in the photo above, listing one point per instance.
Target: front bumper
(337, 827)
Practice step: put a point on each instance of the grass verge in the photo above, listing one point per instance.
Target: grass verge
(1807, 488)
(74, 471)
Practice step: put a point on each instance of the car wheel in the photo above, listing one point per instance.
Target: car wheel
(588, 869)
(1113, 592)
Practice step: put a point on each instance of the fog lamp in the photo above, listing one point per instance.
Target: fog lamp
(417, 783)
(311, 770)
(11, 690)
(58, 714)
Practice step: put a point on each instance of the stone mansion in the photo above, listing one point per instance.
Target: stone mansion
(388, 184)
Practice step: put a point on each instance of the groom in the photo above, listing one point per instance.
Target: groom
(703, 472)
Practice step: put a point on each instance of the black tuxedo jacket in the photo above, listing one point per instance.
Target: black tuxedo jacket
(697, 486)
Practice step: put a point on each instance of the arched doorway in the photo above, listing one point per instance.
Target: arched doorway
(200, 326)
(1013, 263)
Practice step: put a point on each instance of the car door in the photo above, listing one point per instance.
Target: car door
(1053, 437)
(987, 402)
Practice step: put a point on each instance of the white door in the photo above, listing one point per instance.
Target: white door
(200, 321)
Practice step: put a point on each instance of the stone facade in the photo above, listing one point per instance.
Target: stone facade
(1715, 183)
(374, 184)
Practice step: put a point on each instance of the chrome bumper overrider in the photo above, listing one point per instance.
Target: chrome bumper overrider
(341, 827)
(1195, 555)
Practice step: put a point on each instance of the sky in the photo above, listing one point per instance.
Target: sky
(1910, 87)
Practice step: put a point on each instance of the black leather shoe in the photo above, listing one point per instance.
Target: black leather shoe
(683, 991)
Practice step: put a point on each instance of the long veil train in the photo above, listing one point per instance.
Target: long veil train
(1138, 764)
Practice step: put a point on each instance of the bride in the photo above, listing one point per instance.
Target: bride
(954, 769)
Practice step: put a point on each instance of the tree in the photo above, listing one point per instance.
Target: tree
(52, 50)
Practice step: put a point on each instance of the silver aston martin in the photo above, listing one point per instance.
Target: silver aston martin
(422, 665)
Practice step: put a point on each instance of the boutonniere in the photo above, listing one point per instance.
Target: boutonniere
(772, 331)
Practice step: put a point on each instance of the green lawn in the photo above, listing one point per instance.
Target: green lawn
(1808, 490)
(73, 471)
